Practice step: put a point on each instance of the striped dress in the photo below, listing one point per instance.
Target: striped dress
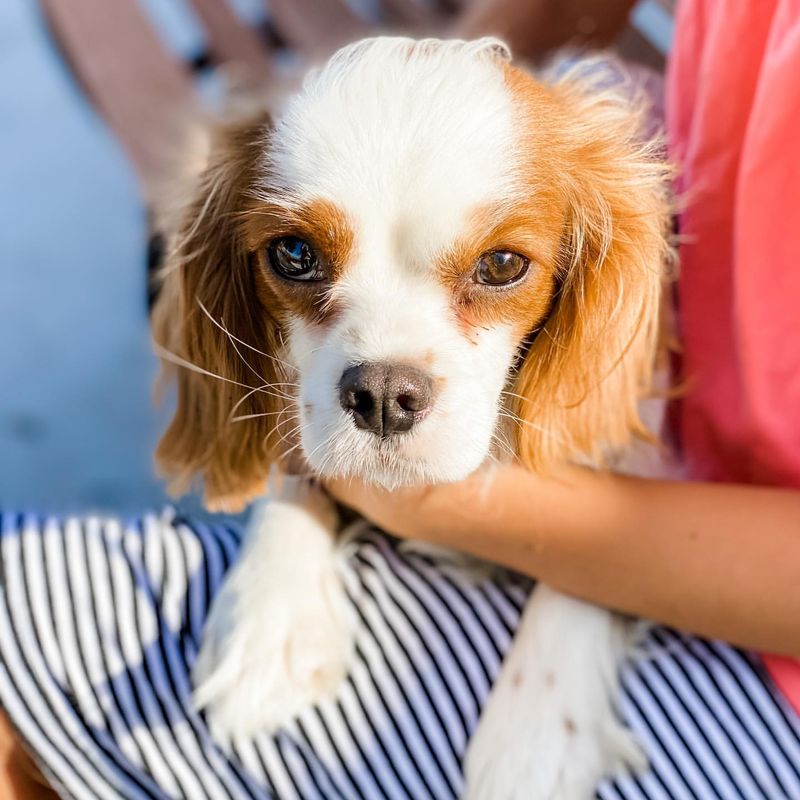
(101, 620)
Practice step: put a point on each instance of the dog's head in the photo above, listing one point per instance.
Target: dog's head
(425, 244)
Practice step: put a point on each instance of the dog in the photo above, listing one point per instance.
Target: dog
(422, 242)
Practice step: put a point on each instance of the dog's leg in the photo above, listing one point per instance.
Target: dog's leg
(549, 730)
(279, 635)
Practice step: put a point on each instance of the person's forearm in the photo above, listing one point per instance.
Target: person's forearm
(721, 561)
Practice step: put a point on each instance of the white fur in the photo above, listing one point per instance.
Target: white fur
(407, 139)
(405, 136)
(279, 635)
(453, 440)
(549, 730)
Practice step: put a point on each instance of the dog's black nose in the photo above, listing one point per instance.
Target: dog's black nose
(385, 398)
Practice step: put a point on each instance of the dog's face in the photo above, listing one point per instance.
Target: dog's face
(425, 243)
(398, 246)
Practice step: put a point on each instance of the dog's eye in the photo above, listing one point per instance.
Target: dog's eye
(295, 259)
(500, 267)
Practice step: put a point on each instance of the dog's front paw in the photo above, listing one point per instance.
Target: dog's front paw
(544, 749)
(549, 730)
(279, 636)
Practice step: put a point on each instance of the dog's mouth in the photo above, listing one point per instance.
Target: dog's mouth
(431, 454)
(380, 459)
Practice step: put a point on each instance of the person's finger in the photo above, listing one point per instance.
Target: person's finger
(402, 512)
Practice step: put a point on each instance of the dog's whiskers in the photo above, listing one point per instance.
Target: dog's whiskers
(237, 405)
(285, 455)
(514, 394)
(244, 417)
(232, 340)
(223, 328)
(326, 346)
(325, 441)
(535, 426)
(174, 358)
(503, 444)
(246, 362)
(284, 438)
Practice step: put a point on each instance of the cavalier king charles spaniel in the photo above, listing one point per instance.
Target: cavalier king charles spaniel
(422, 244)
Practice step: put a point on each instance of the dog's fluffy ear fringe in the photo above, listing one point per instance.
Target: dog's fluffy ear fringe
(208, 307)
(583, 375)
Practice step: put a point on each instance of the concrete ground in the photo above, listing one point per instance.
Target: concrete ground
(77, 425)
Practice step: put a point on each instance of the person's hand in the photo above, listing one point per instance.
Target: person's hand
(405, 512)
(441, 513)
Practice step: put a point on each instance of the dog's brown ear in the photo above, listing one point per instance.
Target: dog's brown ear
(214, 334)
(586, 369)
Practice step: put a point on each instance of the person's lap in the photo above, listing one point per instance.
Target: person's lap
(100, 623)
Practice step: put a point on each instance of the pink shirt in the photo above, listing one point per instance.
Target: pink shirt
(733, 111)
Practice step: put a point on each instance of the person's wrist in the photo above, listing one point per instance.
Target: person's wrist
(431, 517)
(452, 512)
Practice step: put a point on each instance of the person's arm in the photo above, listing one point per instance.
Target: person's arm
(20, 778)
(720, 561)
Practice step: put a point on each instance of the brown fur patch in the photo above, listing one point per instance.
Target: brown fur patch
(208, 263)
(235, 410)
(517, 229)
(607, 190)
(331, 234)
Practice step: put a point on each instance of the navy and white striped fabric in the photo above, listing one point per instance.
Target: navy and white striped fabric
(100, 623)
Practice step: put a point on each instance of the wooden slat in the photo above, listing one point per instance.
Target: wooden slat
(421, 18)
(314, 25)
(137, 85)
(232, 41)
(534, 28)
